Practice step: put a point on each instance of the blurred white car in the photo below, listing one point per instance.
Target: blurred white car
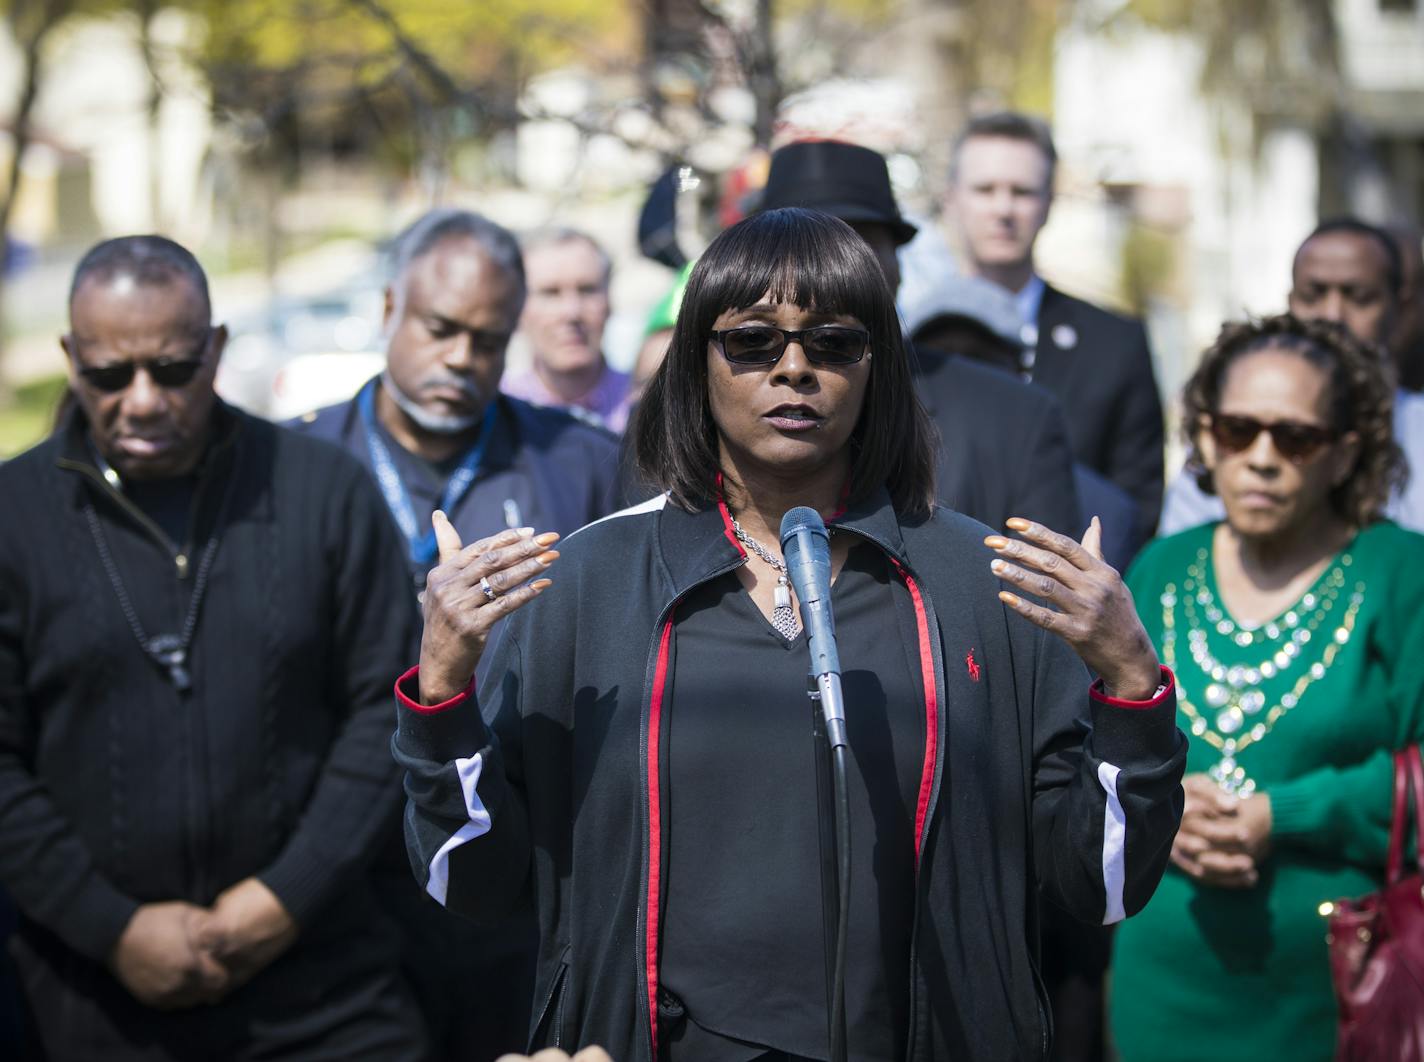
(304, 353)
(310, 381)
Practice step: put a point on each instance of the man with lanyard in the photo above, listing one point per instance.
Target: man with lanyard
(195, 653)
(435, 432)
(433, 427)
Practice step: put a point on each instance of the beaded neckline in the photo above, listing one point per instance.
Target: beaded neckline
(1232, 696)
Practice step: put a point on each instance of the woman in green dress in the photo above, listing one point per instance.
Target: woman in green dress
(1296, 631)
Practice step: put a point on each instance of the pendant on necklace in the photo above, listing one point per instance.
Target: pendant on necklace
(168, 651)
(783, 593)
(783, 615)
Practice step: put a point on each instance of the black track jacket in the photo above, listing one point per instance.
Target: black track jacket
(551, 787)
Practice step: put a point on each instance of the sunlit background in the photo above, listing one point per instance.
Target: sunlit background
(285, 141)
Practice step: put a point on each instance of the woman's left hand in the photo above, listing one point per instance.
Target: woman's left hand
(1093, 611)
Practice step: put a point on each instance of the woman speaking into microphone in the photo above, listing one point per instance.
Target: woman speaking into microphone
(638, 760)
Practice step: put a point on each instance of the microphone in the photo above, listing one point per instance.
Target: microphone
(806, 547)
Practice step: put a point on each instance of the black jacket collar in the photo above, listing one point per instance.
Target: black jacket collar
(696, 546)
(76, 454)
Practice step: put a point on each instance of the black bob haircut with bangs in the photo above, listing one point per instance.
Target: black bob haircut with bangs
(817, 262)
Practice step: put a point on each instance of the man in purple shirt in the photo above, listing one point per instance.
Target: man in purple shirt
(564, 316)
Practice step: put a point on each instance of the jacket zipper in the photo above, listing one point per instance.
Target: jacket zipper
(193, 730)
(180, 555)
(937, 662)
(557, 991)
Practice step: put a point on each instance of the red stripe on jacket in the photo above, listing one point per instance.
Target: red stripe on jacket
(655, 829)
(922, 805)
(727, 528)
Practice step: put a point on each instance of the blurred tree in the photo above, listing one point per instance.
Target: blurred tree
(31, 24)
(1280, 57)
(391, 78)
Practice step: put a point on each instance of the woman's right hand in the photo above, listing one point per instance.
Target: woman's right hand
(458, 611)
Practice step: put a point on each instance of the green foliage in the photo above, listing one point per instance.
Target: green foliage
(454, 48)
(28, 417)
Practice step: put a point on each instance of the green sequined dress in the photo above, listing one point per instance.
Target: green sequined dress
(1305, 708)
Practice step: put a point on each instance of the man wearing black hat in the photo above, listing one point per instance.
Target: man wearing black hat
(1004, 447)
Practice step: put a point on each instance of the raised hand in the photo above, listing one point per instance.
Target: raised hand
(1092, 609)
(471, 589)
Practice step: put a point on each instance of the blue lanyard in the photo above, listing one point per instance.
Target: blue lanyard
(423, 547)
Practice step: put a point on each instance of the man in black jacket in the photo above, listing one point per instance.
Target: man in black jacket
(1098, 364)
(199, 617)
(1003, 444)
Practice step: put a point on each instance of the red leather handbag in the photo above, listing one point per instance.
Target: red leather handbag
(1377, 944)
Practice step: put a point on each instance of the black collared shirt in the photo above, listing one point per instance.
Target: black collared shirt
(742, 947)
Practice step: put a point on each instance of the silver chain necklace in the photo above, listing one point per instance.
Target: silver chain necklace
(783, 613)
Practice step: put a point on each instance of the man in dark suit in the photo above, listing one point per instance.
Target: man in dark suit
(1003, 444)
(1097, 363)
(979, 321)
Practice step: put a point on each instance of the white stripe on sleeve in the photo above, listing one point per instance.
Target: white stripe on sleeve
(439, 881)
(1114, 845)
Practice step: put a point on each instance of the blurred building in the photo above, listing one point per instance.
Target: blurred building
(110, 152)
(1208, 185)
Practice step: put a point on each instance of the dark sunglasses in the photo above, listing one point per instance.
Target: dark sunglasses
(764, 344)
(165, 372)
(1294, 441)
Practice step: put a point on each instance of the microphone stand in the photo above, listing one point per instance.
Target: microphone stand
(833, 814)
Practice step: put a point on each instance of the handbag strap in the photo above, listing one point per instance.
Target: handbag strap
(1396, 823)
(1416, 776)
(1408, 776)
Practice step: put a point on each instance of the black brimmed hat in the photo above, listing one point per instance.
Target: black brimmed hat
(847, 181)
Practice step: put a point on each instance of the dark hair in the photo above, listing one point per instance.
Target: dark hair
(811, 260)
(1393, 262)
(431, 229)
(1010, 125)
(1361, 400)
(151, 261)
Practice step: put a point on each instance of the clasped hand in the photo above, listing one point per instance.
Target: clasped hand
(175, 954)
(1223, 838)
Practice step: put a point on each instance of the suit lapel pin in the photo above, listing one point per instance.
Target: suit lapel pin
(1065, 336)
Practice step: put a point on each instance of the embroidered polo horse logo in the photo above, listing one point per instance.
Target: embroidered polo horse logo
(972, 666)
